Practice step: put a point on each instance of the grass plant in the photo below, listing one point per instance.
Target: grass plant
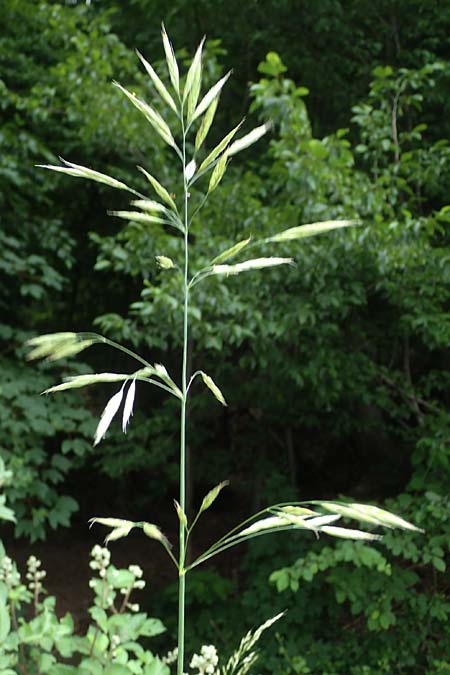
(193, 113)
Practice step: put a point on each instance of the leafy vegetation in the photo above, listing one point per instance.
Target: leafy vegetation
(336, 373)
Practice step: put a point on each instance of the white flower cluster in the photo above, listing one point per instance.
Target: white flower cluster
(206, 661)
(170, 657)
(115, 642)
(9, 573)
(138, 573)
(34, 574)
(101, 559)
(138, 583)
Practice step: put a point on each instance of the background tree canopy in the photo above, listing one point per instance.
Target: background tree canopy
(336, 372)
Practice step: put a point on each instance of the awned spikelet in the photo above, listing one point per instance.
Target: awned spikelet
(107, 415)
(53, 346)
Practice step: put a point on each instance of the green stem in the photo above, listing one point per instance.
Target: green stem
(232, 537)
(240, 540)
(182, 554)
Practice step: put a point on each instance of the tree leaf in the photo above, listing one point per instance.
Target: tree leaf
(213, 387)
(159, 85)
(212, 495)
(249, 138)
(310, 230)
(253, 264)
(231, 252)
(210, 96)
(159, 189)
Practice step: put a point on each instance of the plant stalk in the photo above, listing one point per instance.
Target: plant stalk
(182, 553)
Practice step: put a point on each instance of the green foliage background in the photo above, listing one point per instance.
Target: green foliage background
(336, 372)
